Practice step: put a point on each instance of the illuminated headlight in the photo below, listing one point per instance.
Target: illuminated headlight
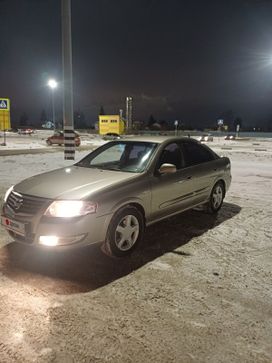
(70, 208)
(7, 193)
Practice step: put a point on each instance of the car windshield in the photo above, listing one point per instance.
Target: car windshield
(129, 156)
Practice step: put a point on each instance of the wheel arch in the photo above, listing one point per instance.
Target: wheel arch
(134, 204)
(131, 202)
(140, 209)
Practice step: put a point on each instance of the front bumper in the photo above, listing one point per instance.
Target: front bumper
(64, 232)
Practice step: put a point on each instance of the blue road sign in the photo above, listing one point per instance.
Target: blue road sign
(3, 104)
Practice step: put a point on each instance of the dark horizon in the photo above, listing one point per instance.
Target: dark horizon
(191, 61)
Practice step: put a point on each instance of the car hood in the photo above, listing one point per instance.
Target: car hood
(72, 182)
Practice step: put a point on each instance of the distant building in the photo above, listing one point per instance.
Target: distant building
(111, 124)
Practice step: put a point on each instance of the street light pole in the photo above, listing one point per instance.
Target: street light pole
(68, 113)
(53, 108)
(176, 127)
(53, 84)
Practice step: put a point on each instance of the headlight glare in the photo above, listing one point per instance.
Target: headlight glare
(70, 208)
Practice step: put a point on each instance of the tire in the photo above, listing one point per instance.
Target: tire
(216, 197)
(49, 143)
(124, 233)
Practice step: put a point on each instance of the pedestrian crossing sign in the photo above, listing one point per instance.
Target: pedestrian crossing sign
(4, 104)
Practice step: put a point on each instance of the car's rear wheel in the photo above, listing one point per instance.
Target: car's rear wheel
(216, 197)
(48, 142)
(125, 232)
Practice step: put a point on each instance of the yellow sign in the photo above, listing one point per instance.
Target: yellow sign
(4, 114)
(111, 124)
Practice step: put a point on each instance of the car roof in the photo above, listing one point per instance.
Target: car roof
(157, 139)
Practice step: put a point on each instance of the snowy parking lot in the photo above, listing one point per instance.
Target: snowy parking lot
(198, 290)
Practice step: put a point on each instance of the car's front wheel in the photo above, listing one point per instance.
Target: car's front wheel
(216, 197)
(125, 232)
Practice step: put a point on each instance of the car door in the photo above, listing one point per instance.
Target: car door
(171, 192)
(201, 165)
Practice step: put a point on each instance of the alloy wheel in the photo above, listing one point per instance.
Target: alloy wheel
(217, 196)
(127, 232)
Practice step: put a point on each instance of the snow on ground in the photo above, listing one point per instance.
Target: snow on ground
(199, 289)
(38, 140)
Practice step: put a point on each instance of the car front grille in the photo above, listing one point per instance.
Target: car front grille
(25, 204)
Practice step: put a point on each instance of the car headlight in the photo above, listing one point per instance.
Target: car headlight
(7, 193)
(70, 208)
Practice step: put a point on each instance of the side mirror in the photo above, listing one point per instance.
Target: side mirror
(167, 169)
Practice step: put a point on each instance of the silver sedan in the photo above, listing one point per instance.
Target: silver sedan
(112, 194)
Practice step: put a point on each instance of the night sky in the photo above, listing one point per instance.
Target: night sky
(193, 61)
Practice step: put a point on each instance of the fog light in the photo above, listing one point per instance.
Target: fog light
(49, 240)
(61, 240)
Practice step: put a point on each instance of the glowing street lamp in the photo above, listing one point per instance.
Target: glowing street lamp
(53, 84)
